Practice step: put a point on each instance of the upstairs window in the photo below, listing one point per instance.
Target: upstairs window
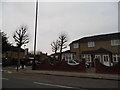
(91, 44)
(75, 45)
(115, 42)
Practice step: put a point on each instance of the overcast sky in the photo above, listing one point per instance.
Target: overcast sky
(77, 19)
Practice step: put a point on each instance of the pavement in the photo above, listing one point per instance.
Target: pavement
(28, 69)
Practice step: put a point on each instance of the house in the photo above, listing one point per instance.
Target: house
(66, 55)
(105, 47)
(13, 53)
(39, 57)
(55, 55)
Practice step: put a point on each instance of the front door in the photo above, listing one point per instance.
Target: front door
(106, 60)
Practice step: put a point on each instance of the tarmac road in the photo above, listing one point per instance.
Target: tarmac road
(36, 80)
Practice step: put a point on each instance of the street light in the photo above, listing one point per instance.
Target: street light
(34, 65)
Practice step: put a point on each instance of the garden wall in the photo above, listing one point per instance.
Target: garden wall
(62, 66)
(100, 68)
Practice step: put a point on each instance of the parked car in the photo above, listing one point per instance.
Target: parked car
(38, 62)
(29, 63)
(72, 62)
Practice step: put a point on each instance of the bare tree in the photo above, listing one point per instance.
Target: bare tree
(55, 46)
(62, 43)
(20, 36)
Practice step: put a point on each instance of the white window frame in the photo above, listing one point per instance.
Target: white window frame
(115, 42)
(107, 63)
(106, 56)
(98, 56)
(91, 44)
(87, 57)
(115, 56)
(75, 45)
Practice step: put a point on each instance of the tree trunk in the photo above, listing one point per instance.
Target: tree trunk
(18, 62)
(61, 54)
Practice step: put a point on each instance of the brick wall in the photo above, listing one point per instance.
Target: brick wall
(62, 66)
(99, 44)
(76, 50)
(100, 68)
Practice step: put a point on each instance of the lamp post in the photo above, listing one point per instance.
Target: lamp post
(34, 65)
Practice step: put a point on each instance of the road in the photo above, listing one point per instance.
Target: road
(35, 80)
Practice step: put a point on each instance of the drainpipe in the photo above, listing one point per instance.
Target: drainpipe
(79, 50)
(110, 59)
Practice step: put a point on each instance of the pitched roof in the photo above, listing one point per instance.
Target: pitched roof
(99, 37)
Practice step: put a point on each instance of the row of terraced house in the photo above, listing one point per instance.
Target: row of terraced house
(104, 47)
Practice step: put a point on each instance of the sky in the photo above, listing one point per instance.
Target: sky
(76, 19)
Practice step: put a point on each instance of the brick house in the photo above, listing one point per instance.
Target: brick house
(13, 53)
(39, 57)
(105, 47)
(66, 55)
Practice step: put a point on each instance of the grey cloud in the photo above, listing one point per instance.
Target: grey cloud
(78, 19)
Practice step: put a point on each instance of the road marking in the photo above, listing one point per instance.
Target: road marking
(53, 85)
(9, 72)
(4, 78)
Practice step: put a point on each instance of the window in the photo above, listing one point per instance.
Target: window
(116, 58)
(75, 45)
(98, 57)
(63, 56)
(56, 57)
(91, 44)
(106, 58)
(115, 42)
(71, 61)
(69, 57)
(87, 57)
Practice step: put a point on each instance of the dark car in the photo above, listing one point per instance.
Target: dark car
(29, 63)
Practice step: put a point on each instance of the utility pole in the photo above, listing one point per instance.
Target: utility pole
(34, 64)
